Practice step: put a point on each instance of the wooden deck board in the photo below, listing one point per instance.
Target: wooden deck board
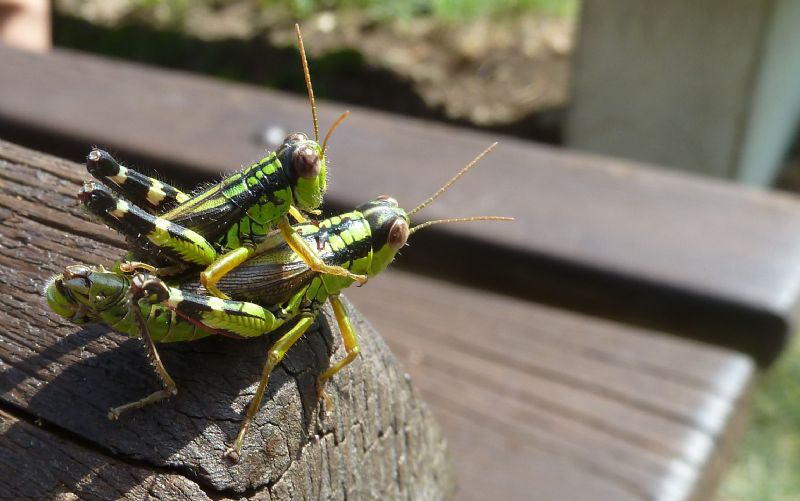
(536, 402)
(690, 256)
(655, 430)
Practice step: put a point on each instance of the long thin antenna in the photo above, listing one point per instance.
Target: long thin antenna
(337, 123)
(459, 220)
(307, 76)
(453, 179)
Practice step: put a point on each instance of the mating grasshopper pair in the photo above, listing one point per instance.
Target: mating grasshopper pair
(273, 277)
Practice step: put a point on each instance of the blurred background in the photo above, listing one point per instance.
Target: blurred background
(711, 88)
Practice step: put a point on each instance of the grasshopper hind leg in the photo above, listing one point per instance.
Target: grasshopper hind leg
(172, 242)
(274, 356)
(147, 192)
(147, 291)
(350, 345)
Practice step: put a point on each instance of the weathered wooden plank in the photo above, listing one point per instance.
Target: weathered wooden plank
(535, 402)
(69, 377)
(623, 403)
(40, 465)
(694, 257)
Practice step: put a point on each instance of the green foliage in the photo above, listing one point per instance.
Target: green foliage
(768, 461)
(470, 9)
(455, 10)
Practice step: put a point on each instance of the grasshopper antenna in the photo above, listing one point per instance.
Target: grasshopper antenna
(452, 180)
(459, 220)
(337, 123)
(307, 76)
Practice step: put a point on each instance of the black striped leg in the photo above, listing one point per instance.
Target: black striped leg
(160, 237)
(151, 194)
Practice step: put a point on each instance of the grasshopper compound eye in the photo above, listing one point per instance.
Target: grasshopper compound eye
(306, 162)
(294, 137)
(398, 234)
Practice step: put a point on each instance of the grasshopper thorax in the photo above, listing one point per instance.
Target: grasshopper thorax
(305, 166)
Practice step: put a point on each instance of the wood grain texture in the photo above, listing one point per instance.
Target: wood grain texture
(40, 465)
(380, 442)
(535, 403)
(694, 257)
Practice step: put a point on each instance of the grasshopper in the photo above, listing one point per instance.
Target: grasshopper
(365, 240)
(230, 217)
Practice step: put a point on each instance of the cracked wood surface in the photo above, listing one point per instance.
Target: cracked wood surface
(379, 442)
(535, 403)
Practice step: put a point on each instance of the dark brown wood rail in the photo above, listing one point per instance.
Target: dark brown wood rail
(534, 401)
(693, 257)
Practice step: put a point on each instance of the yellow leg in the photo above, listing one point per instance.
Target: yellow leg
(221, 266)
(170, 389)
(274, 357)
(350, 346)
(310, 256)
(297, 215)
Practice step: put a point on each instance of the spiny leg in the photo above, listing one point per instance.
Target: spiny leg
(350, 345)
(274, 357)
(310, 256)
(140, 189)
(143, 294)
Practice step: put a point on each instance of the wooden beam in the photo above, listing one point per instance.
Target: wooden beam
(695, 257)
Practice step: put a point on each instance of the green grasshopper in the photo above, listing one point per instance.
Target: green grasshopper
(285, 288)
(230, 217)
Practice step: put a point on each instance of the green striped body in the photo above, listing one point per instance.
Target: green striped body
(271, 288)
(243, 205)
(240, 210)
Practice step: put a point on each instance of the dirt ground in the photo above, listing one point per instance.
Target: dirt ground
(510, 75)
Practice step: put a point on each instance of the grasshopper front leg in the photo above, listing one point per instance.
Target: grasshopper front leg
(145, 292)
(311, 256)
(274, 357)
(229, 261)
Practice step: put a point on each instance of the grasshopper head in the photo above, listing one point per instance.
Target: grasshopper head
(305, 165)
(389, 227)
(81, 292)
